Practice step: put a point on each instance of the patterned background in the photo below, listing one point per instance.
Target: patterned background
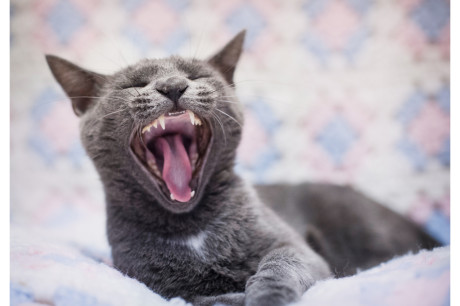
(345, 91)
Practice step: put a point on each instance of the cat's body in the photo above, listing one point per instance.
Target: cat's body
(178, 218)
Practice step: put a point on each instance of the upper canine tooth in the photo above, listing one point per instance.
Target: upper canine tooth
(162, 121)
(192, 116)
(155, 123)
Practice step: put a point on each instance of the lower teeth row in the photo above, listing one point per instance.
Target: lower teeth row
(155, 170)
(191, 195)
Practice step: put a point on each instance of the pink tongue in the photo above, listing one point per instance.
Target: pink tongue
(177, 171)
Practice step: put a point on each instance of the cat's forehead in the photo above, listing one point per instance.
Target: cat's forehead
(164, 66)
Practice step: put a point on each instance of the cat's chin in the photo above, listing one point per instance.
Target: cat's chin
(173, 150)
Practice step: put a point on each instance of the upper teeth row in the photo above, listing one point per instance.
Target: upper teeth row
(193, 119)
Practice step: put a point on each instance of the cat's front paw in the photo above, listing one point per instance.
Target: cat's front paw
(279, 296)
(267, 299)
(229, 299)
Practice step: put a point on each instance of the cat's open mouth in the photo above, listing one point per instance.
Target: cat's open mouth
(173, 148)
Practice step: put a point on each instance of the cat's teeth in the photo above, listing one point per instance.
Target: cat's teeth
(173, 198)
(193, 119)
(148, 127)
(194, 158)
(154, 167)
(192, 116)
(162, 121)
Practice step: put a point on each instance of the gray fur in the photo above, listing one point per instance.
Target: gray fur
(348, 229)
(223, 245)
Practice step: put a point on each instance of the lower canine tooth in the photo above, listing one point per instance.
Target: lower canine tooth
(172, 197)
(192, 193)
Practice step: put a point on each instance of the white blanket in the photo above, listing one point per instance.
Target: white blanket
(46, 269)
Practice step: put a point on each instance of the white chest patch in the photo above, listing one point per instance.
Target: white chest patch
(197, 243)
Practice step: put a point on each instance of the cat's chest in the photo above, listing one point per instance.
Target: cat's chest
(205, 248)
(197, 263)
(191, 247)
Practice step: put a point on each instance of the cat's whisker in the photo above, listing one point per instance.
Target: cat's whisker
(231, 102)
(228, 116)
(43, 104)
(114, 46)
(199, 44)
(232, 85)
(38, 106)
(189, 35)
(87, 97)
(126, 78)
(241, 96)
(94, 97)
(191, 54)
(109, 114)
(221, 126)
(212, 91)
(139, 135)
(229, 68)
(230, 98)
(117, 47)
(121, 99)
(128, 91)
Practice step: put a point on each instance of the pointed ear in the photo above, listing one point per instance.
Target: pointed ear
(226, 59)
(79, 84)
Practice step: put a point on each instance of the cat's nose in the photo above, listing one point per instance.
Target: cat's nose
(173, 87)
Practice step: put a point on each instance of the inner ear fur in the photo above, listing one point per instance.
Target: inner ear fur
(80, 85)
(226, 59)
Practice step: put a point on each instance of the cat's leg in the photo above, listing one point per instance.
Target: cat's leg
(284, 275)
(230, 299)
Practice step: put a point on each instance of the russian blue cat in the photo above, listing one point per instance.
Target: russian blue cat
(163, 135)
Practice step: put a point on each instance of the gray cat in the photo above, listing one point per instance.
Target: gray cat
(163, 135)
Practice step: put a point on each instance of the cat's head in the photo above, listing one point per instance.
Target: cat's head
(164, 125)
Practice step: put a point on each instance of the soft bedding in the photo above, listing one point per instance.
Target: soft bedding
(49, 270)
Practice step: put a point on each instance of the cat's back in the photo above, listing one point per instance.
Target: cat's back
(347, 228)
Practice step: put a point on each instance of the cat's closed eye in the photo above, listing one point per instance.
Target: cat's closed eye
(138, 84)
(198, 76)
